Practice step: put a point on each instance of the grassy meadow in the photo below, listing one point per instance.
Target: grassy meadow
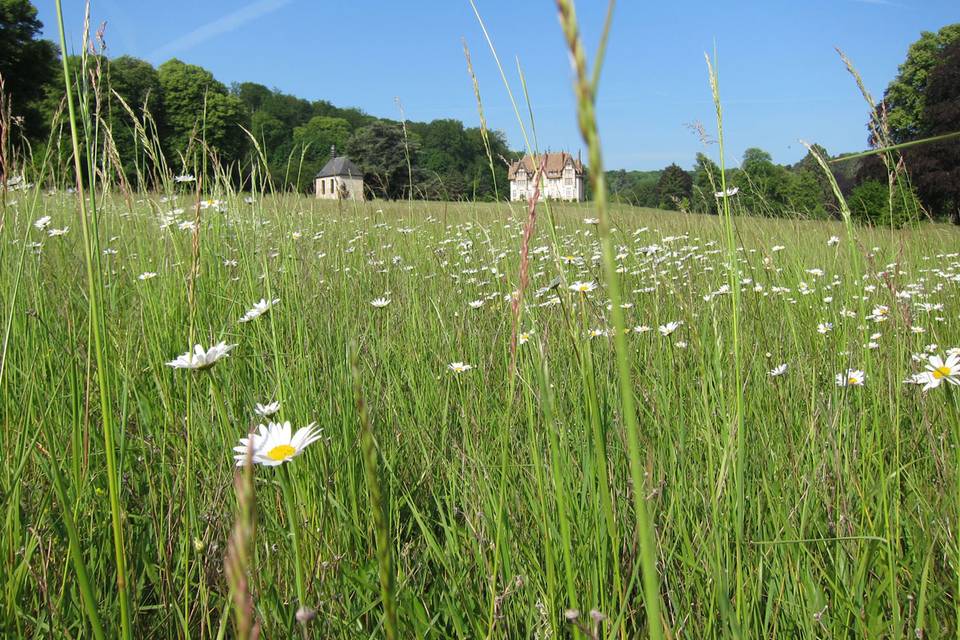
(491, 501)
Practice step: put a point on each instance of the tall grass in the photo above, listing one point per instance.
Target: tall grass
(586, 477)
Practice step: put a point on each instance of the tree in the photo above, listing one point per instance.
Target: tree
(905, 97)
(28, 65)
(269, 131)
(935, 167)
(674, 188)
(137, 83)
(198, 105)
(812, 192)
(444, 147)
(764, 186)
(706, 182)
(313, 141)
(872, 203)
(379, 150)
(252, 94)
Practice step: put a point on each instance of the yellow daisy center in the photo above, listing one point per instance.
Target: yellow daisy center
(852, 380)
(942, 372)
(281, 452)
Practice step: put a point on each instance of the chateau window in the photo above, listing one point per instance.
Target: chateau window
(568, 182)
(323, 187)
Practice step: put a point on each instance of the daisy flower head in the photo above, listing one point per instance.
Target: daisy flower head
(258, 309)
(833, 241)
(459, 367)
(851, 378)
(591, 221)
(147, 275)
(670, 327)
(824, 328)
(200, 359)
(524, 337)
(380, 303)
(275, 443)
(729, 193)
(42, 223)
(267, 410)
(583, 287)
(778, 371)
(940, 370)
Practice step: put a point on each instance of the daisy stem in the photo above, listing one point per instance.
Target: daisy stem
(286, 488)
(955, 412)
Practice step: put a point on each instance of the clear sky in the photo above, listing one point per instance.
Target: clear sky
(780, 77)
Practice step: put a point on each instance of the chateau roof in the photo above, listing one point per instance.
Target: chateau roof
(340, 166)
(554, 164)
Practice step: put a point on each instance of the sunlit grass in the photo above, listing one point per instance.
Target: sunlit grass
(847, 500)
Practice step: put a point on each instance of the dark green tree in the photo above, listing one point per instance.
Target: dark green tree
(935, 167)
(198, 107)
(379, 150)
(706, 183)
(27, 64)
(674, 188)
(872, 203)
(312, 142)
(136, 83)
(812, 193)
(765, 187)
(905, 97)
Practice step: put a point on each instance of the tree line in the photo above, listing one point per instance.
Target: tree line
(173, 114)
(922, 102)
(166, 119)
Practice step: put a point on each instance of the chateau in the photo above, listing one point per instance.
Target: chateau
(562, 177)
(339, 179)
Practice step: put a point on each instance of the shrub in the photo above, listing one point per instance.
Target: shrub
(870, 204)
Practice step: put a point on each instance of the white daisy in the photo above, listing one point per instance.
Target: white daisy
(274, 444)
(852, 378)
(940, 370)
(267, 410)
(583, 287)
(258, 309)
(670, 327)
(778, 371)
(202, 359)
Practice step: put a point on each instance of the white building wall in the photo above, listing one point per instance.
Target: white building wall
(328, 188)
(552, 189)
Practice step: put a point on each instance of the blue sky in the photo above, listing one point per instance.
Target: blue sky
(781, 80)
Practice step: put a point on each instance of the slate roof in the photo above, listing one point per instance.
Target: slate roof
(555, 162)
(340, 166)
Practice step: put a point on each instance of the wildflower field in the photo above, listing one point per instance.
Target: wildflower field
(468, 470)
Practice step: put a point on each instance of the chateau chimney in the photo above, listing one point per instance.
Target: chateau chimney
(333, 151)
